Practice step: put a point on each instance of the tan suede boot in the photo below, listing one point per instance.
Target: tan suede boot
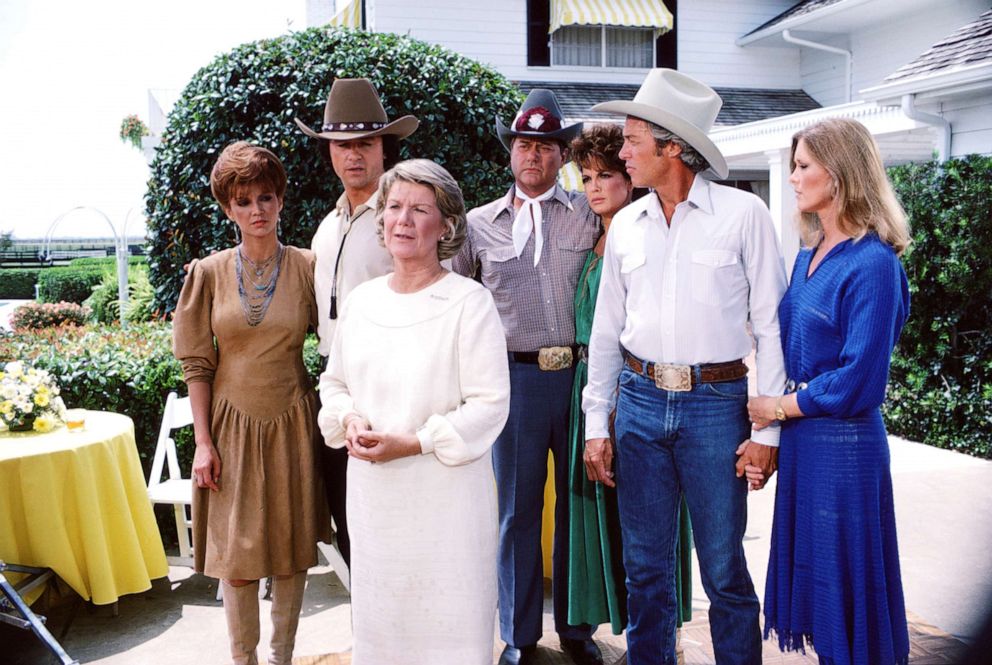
(287, 600)
(241, 609)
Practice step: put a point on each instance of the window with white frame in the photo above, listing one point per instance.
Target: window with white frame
(603, 46)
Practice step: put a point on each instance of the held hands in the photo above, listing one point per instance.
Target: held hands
(206, 466)
(371, 446)
(598, 458)
(756, 461)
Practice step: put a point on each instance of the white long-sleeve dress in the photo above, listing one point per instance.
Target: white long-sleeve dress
(423, 528)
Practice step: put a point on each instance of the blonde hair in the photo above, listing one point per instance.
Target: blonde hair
(447, 194)
(864, 195)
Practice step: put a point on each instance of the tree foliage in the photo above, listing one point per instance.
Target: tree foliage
(254, 92)
(941, 384)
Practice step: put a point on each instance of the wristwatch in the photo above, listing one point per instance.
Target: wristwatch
(780, 411)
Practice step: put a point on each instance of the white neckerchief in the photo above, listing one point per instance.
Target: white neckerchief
(530, 217)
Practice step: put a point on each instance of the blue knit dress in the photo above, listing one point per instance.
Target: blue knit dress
(833, 573)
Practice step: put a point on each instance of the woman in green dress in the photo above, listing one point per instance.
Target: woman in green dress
(596, 589)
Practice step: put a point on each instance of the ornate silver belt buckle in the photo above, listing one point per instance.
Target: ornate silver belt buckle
(554, 358)
(677, 378)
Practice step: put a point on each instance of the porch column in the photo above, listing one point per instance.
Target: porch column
(782, 203)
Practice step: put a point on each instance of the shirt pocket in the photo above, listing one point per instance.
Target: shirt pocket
(712, 269)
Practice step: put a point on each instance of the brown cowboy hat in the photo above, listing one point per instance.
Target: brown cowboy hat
(353, 111)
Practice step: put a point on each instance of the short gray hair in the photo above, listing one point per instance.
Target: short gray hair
(689, 155)
(447, 193)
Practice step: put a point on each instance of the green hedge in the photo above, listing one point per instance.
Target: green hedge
(108, 262)
(68, 284)
(18, 283)
(941, 386)
(255, 91)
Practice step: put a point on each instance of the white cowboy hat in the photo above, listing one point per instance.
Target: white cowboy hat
(680, 104)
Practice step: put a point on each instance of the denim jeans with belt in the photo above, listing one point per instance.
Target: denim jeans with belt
(684, 442)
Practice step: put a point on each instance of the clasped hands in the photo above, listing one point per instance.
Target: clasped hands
(373, 446)
(755, 461)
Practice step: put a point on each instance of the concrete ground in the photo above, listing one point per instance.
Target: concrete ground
(943, 503)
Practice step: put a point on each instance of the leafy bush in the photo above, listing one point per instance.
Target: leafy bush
(108, 262)
(941, 385)
(34, 316)
(254, 92)
(106, 368)
(105, 305)
(67, 284)
(18, 283)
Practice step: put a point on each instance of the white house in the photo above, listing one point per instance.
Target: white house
(917, 73)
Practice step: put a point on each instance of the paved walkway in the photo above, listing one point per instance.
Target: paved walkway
(943, 504)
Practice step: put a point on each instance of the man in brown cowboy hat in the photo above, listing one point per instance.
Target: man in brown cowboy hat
(685, 271)
(360, 143)
(529, 247)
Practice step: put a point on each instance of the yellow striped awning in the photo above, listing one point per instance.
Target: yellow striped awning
(350, 16)
(629, 13)
(570, 177)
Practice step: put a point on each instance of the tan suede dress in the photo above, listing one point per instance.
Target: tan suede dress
(269, 513)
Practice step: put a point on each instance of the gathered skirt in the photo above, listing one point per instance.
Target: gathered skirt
(270, 510)
(833, 573)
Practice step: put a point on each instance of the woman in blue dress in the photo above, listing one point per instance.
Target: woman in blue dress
(833, 573)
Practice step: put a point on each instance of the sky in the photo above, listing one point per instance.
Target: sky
(69, 73)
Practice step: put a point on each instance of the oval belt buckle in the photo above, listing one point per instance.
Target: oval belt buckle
(676, 378)
(554, 358)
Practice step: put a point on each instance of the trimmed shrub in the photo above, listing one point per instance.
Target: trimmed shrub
(18, 283)
(34, 316)
(256, 90)
(108, 262)
(940, 391)
(67, 284)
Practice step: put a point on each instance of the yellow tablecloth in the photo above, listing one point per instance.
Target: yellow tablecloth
(77, 503)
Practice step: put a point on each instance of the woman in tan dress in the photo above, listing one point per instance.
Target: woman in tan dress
(238, 331)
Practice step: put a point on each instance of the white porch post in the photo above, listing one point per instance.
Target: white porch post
(782, 203)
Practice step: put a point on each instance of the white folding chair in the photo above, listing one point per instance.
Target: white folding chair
(174, 490)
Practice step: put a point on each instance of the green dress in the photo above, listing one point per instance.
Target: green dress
(596, 590)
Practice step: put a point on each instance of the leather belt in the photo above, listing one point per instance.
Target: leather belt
(680, 378)
(549, 359)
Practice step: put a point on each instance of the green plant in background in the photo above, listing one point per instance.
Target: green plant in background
(67, 284)
(940, 390)
(132, 130)
(254, 92)
(105, 305)
(18, 283)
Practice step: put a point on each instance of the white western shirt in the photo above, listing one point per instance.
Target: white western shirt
(685, 294)
(362, 258)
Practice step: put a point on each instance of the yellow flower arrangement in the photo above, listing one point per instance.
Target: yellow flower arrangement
(29, 399)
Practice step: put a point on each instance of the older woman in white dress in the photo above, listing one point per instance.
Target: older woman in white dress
(417, 388)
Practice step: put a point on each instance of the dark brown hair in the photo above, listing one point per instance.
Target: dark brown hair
(599, 146)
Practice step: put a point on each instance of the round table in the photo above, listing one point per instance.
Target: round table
(76, 502)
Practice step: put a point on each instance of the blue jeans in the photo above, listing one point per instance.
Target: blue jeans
(538, 422)
(672, 442)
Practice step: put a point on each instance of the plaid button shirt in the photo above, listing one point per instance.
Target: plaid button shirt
(536, 304)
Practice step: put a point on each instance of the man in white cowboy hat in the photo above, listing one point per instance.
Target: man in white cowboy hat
(360, 143)
(528, 247)
(685, 271)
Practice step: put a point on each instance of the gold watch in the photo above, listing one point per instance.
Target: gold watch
(780, 411)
